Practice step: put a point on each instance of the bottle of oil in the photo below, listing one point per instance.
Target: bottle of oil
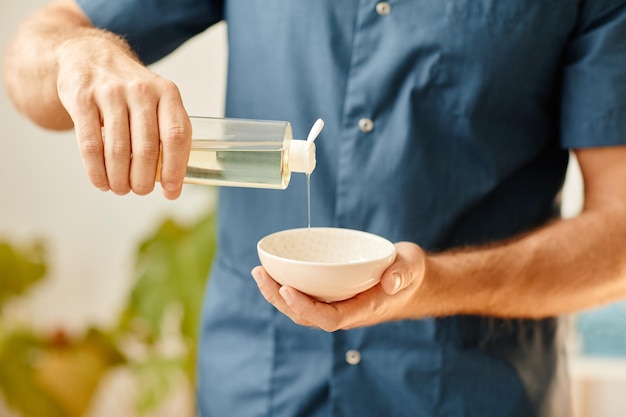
(247, 153)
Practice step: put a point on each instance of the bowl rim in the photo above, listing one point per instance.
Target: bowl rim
(391, 252)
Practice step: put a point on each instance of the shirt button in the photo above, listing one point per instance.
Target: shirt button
(353, 357)
(366, 125)
(383, 8)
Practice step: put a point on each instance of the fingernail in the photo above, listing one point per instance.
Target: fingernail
(170, 186)
(255, 274)
(286, 294)
(391, 284)
(397, 281)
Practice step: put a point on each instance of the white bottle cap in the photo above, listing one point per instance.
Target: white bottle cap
(301, 156)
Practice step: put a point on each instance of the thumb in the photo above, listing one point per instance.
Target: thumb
(408, 268)
(394, 281)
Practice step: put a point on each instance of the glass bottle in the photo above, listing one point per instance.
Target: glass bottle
(246, 153)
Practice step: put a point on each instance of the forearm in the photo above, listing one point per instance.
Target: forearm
(565, 266)
(31, 64)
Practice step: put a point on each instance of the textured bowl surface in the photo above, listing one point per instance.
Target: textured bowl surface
(330, 264)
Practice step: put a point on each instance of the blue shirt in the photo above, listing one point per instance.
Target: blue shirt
(448, 123)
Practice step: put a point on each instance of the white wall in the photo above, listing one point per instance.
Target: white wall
(91, 235)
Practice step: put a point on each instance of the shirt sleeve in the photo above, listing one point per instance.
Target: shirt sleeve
(153, 28)
(593, 106)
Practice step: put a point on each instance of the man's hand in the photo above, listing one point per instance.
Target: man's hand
(399, 295)
(61, 72)
(559, 268)
(101, 85)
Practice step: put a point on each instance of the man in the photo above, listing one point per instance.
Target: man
(448, 126)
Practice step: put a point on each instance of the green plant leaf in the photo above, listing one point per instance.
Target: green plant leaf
(171, 268)
(71, 368)
(19, 355)
(20, 269)
(156, 377)
(54, 376)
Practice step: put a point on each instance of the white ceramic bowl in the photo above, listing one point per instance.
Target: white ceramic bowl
(330, 264)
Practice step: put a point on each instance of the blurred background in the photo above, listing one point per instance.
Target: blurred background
(100, 294)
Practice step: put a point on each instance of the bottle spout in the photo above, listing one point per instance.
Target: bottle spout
(314, 132)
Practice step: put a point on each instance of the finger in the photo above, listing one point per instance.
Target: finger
(364, 309)
(90, 145)
(175, 135)
(145, 148)
(320, 314)
(270, 290)
(117, 147)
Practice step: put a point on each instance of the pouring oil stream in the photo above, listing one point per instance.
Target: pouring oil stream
(313, 134)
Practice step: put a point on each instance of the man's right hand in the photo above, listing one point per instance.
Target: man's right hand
(125, 116)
